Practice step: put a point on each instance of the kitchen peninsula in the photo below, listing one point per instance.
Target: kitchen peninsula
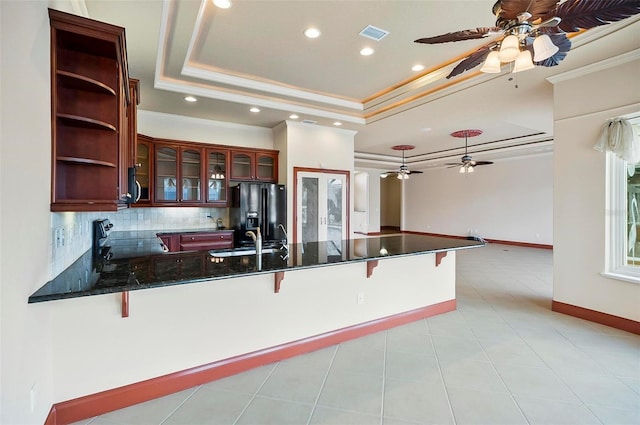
(138, 262)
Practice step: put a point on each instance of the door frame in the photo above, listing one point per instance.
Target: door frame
(347, 175)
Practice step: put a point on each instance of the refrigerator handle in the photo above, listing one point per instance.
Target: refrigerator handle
(265, 212)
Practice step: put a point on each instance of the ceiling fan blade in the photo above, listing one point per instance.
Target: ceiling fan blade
(469, 34)
(473, 60)
(510, 9)
(580, 14)
(482, 163)
(414, 172)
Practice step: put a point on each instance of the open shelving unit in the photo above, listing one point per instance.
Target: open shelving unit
(89, 94)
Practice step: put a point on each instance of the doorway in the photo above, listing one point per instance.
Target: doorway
(321, 206)
(390, 204)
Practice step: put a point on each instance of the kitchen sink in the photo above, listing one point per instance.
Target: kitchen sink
(239, 252)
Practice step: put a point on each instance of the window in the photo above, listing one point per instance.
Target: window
(623, 216)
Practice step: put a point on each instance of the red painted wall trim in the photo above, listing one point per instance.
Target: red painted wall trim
(525, 244)
(617, 322)
(92, 405)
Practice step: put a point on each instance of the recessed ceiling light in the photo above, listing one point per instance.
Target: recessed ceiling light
(425, 129)
(337, 123)
(417, 68)
(366, 51)
(254, 109)
(222, 4)
(294, 116)
(190, 99)
(312, 32)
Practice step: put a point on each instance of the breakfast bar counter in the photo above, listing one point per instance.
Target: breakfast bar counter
(142, 264)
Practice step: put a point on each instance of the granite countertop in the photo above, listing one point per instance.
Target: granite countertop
(152, 269)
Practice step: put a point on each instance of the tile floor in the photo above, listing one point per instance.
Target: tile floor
(502, 358)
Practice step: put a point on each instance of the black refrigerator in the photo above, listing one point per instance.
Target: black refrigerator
(258, 205)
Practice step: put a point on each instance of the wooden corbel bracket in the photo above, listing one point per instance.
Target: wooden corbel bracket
(277, 277)
(371, 264)
(125, 304)
(440, 256)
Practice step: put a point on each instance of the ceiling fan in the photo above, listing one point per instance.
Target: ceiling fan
(466, 163)
(403, 172)
(533, 32)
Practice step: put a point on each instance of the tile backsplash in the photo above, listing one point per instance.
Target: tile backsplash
(71, 232)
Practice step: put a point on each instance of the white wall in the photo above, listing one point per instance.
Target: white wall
(511, 200)
(156, 124)
(25, 163)
(580, 187)
(372, 215)
(312, 146)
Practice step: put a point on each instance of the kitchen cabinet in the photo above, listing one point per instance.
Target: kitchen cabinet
(254, 165)
(171, 241)
(89, 96)
(206, 240)
(178, 174)
(144, 168)
(196, 241)
(217, 176)
(132, 121)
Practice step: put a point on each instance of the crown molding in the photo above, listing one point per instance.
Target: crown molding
(219, 94)
(595, 67)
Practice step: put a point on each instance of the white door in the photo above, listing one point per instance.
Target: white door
(321, 208)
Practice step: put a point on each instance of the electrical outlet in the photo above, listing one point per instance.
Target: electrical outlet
(360, 297)
(59, 235)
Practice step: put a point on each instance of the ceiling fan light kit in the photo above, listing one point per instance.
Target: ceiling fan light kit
(403, 172)
(543, 48)
(467, 164)
(523, 62)
(537, 27)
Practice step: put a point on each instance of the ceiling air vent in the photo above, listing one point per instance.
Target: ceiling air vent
(309, 122)
(374, 33)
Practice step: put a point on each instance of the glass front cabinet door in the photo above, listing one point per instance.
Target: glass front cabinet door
(178, 175)
(166, 174)
(144, 154)
(266, 167)
(217, 176)
(261, 166)
(190, 176)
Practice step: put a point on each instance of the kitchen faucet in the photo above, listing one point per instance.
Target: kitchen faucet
(257, 239)
(285, 242)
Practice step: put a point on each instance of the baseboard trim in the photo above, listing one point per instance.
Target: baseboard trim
(617, 322)
(74, 410)
(498, 241)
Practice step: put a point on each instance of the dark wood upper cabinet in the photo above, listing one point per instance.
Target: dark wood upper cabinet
(254, 165)
(144, 169)
(180, 173)
(89, 96)
(217, 176)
